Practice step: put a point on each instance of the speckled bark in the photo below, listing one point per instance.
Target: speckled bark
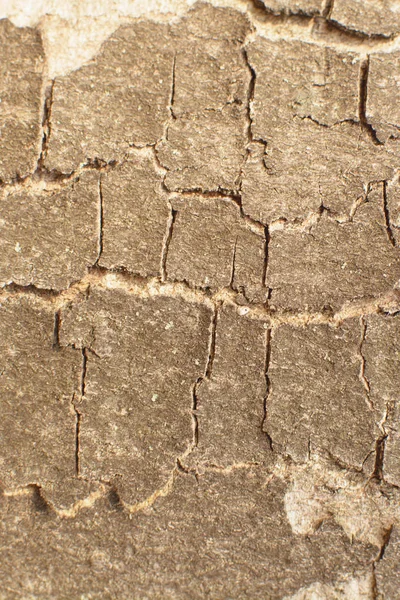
(199, 308)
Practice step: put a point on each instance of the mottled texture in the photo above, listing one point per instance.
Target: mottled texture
(393, 208)
(199, 302)
(143, 357)
(205, 143)
(293, 7)
(49, 236)
(330, 264)
(225, 536)
(387, 570)
(307, 166)
(301, 79)
(21, 51)
(382, 109)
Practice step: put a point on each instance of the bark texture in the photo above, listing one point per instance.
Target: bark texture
(200, 308)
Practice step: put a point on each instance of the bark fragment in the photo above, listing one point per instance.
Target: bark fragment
(387, 569)
(136, 412)
(333, 263)
(316, 398)
(382, 109)
(205, 142)
(211, 247)
(371, 17)
(38, 384)
(49, 237)
(235, 537)
(135, 212)
(117, 100)
(382, 367)
(230, 400)
(21, 51)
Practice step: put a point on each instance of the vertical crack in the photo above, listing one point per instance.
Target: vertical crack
(267, 386)
(362, 101)
(231, 283)
(194, 412)
(379, 458)
(250, 96)
(363, 379)
(327, 9)
(207, 375)
(101, 221)
(77, 441)
(380, 445)
(211, 348)
(265, 264)
(84, 370)
(385, 544)
(249, 132)
(167, 241)
(56, 331)
(78, 414)
(46, 123)
(172, 98)
(387, 216)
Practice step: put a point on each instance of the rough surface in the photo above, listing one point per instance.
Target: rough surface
(233, 532)
(230, 399)
(302, 7)
(329, 263)
(205, 143)
(199, 302)
(38, 423)
(21, 50)
(313, 375)
(307, 166)
(370, 17)
(387, 571)
(142, 359)
(49, 236)
(381, 350)
(134, 216)
(382, 109)
(393, 209)
(212, 247)
(118, 100)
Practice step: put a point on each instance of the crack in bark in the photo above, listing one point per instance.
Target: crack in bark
(172, 98)
(167, 241)
(267, 388)
(101, 222)
(362, 102)
(263, 13)
(387, 304)
(386, 213)
(56, 332)
(363, 379)
(232, 278)
(46, 124)
(78, 414)
(212, 342)
(327, 9)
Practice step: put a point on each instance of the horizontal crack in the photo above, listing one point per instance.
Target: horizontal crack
(147, 287)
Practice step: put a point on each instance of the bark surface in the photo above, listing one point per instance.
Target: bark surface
(200, 308)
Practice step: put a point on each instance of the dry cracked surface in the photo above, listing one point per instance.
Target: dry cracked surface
(200, 309)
